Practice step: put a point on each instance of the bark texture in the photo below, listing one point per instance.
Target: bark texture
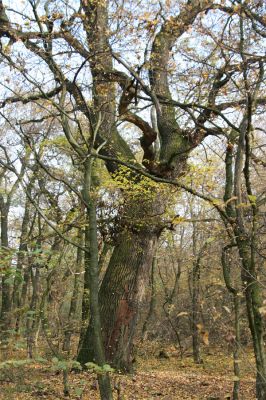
(120, 296)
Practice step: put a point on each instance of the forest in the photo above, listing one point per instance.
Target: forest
(132, 199)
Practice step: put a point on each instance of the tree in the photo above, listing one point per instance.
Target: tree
(6, 197)
(184, 111)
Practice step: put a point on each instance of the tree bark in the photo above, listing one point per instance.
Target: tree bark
(152, 304)
(74, 297)
(235, 293)
(196, 310)
(91, 244)
(195, 291)
(243, 233)
(32, 318)
(23, 248)
(120, 296)
(254, 302)
(5, 317)
(245, 237)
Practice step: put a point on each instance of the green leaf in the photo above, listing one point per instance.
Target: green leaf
(9, 281)
(79, 391)
(91, 365)
(107, 368)
(30, 312)
(98, 369)
(252, 198)
(210, 240)
(41, 360)
(76, 365)
(20, 345)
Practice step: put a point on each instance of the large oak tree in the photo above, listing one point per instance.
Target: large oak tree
(177, 73)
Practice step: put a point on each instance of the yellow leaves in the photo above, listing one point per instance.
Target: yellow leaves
(204, 334)
(177, 220)
(205, 338)
(171, 66)
(6, 49)
(210, 240)
(151, 24)
(230, 200)
(57, 16)
(171, 308)
(217, 203)
(199, 327)
(54, 16)
(59, 141)
(216, 282)
(216, 316)
(147, 15)
(154, 378)
(252, 198)
(237, 8)
(199, 172)
(262, 310)
(28, 150)
(43, 18)
(182, 314)
(136, 187)
(148, 19)
(227, 309)
(243, 205)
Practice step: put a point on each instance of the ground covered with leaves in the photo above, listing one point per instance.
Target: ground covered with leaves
(155, 378)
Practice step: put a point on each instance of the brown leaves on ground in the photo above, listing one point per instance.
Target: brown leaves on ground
(166, 379)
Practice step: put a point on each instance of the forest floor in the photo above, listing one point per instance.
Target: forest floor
(155, 378)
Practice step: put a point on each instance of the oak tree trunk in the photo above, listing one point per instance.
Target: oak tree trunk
(120, 296)
(152, 304)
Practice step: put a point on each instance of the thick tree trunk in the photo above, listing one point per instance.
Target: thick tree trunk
(152, 300)
(105, 253)
(121, 293)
